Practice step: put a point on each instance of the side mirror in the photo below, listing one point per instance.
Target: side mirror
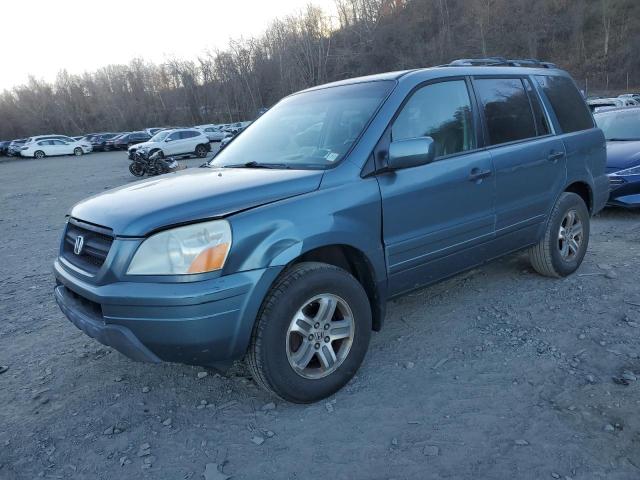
(411, 152)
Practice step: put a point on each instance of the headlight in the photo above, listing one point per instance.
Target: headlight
(198, 248)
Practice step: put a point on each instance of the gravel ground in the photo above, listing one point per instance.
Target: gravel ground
(496, 373)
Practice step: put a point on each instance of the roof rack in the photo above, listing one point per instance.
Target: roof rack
(500, 61)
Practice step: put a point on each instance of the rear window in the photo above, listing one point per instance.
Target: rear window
(507, 110)
(567, 102)
(188, 134)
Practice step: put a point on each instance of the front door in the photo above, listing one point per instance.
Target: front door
(438, 218)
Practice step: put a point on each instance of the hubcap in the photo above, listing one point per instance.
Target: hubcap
(570, 235)
(320, 336)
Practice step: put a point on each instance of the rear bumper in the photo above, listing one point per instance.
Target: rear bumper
(191, 322)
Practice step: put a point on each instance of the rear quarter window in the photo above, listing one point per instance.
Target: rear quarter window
(567, 102)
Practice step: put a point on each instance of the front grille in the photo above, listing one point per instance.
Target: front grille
(96, 245)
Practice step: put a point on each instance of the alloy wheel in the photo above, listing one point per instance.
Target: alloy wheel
(570, 235)
(320, 336)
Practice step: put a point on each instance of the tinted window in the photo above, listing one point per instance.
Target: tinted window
(174, 136)
(569, 106)
(189, 134)
(506, 108)
(441, 111)
(542, 125)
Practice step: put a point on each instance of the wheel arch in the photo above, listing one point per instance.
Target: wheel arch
(355, 262)
(584, 190)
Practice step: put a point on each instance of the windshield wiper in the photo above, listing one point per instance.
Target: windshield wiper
(254, 164)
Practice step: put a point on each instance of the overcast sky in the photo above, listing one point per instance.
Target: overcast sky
(41, 37)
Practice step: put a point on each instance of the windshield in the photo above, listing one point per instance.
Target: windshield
(620, 125)
(158, 137)
(308, 130)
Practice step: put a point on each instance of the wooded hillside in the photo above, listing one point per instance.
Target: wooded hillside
(598, 41)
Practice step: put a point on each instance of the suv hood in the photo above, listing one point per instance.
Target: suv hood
(190, 195)
(143, 144)
(623, 154)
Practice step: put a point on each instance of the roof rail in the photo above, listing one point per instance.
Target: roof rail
(500, 61)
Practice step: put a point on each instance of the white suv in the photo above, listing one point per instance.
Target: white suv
(173, 143)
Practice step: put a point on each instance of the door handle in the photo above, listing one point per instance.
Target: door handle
(554, 156)
(477, 174)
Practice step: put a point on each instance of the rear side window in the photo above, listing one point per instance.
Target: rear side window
(441, 111)
(188, 134)
(506, 108)
(542, 124)
(571, 109)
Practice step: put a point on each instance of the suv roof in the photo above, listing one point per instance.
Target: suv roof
(490, 65)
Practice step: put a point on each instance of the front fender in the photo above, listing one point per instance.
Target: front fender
(278, 233)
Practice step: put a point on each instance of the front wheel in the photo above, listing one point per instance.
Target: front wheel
(77, 152)
(201, 151)
(136, 169)
(311, 334)
(561, 250)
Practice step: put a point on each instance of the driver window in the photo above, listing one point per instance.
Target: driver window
(174, 136)
(441, 111)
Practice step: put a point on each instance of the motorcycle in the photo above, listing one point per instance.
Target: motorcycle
(152, 165)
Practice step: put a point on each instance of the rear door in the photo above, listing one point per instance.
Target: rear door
(437, 217)
(529, 161)
(189, 140)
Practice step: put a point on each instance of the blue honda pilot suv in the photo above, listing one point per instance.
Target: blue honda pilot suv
(286, 247)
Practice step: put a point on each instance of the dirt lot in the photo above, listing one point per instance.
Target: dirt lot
(496, 373)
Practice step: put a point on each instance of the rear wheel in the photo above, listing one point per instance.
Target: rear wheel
(77, 151)
(566, 238)
(311, 334)
(39, 154)
(201, 151)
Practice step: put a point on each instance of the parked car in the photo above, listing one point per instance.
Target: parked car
(37, 138)
(99, 141)
(110, 143)
(152, 131)
(174, 143)
(597, 104)
(78, 137)
(213, 133)
(13, 150)
(287, 254)
(633, 96)
(125, 141)
(4, 147)
(52, 147)
(621, 128)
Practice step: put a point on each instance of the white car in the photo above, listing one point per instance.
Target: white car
(172, 143)
(213, 133)
(50, 147)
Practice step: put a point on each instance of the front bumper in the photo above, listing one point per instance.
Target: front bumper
(198, 323)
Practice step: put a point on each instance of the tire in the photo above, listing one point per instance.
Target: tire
(272, 352)
(38, 154)
(201, 151)
(78, 152)
(136, 169)
(566, 238)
